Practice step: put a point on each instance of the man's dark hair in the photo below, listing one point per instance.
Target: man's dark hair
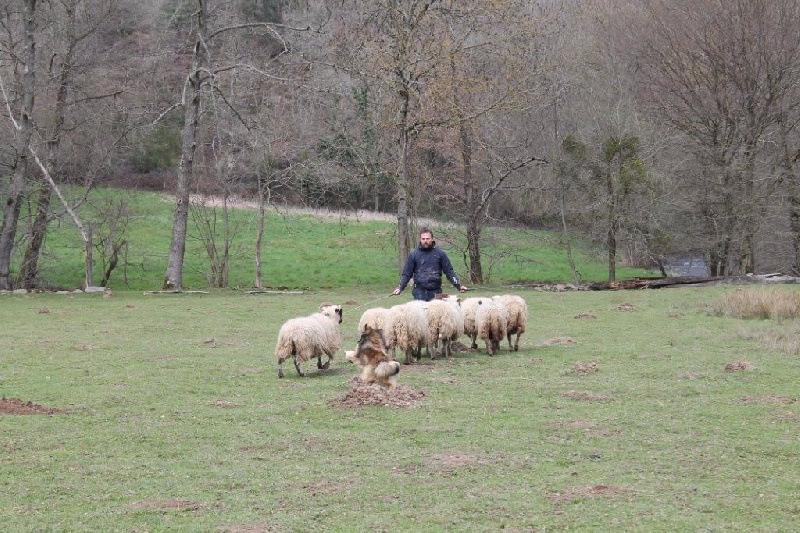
(425, 230)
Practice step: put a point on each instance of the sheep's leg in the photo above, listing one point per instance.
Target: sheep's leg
(323, 366)
(297, 367)
(280, 367)
(516, 342)
(510, 345)
(495, 346)
(446, 350)
(489, 347)
(474, 338)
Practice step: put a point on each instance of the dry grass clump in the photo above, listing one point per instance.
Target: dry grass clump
(584, 367)
(761, 303)
(739, 366)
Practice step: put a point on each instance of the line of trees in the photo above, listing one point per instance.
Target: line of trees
(656, 128)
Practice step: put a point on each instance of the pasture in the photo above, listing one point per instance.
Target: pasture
(630, 410)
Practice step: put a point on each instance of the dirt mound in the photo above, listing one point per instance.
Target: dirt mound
(373, 394)
(15, 406)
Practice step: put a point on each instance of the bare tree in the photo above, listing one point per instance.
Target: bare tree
(393, 46)
(216, 61)
(722, 73)
(23, 128)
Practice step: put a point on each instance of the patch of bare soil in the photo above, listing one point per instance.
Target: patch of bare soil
(15, 406)
(739, 366)
(459, 347)
(584, 367)
(584, 396)
(585, 315)
(361, 394)
(624, 307)
(592, 491)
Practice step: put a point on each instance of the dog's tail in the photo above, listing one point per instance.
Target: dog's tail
(386, 369)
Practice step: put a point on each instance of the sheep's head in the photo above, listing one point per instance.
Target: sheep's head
(332, 311)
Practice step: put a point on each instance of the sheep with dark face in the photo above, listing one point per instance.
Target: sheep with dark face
(308, 337)
(517, 317)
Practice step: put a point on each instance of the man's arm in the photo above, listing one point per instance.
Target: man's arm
(405, 276)
(447, 268)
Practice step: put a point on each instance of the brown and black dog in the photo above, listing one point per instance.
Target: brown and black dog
(370, 356)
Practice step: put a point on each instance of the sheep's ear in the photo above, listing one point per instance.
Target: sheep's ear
(324, 305)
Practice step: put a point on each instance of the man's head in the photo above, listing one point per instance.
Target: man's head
(426, 238)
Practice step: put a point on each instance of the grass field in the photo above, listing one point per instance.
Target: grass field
(300, 249)
(631, 410)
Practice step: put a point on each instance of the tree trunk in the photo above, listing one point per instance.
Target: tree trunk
(794, 229)
(474, 248)
(263, 199)
(562, 193)
(173, 279)
(30, 264)
(24, 131)
(29, 269)
(403, 182)
(613, 223)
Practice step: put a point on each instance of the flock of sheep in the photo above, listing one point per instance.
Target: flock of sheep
(410, 327)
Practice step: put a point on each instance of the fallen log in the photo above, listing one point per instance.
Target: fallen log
(658, 283)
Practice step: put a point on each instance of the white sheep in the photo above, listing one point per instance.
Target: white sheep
(468, 308)
(406, 327)
(304, 338)
(491, 322)
(445, 322)
(374, 318)
(517, 317)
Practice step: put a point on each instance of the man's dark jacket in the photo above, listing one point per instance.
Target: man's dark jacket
(426, 265)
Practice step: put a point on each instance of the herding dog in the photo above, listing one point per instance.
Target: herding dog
(370, 356)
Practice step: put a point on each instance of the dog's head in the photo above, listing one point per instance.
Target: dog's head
(371, 347)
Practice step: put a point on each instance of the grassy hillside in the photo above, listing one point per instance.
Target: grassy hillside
(299, 250)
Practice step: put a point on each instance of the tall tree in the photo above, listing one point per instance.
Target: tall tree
(393, 46)
(23, 129)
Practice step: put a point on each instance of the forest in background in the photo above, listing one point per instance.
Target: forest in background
(655, 128)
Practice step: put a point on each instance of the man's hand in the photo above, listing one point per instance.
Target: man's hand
(462, 289)
(396, 292)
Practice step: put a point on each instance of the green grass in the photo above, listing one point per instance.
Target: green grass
(177, 420)
(299, 250)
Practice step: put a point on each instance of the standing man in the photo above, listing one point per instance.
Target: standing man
(425, 264)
